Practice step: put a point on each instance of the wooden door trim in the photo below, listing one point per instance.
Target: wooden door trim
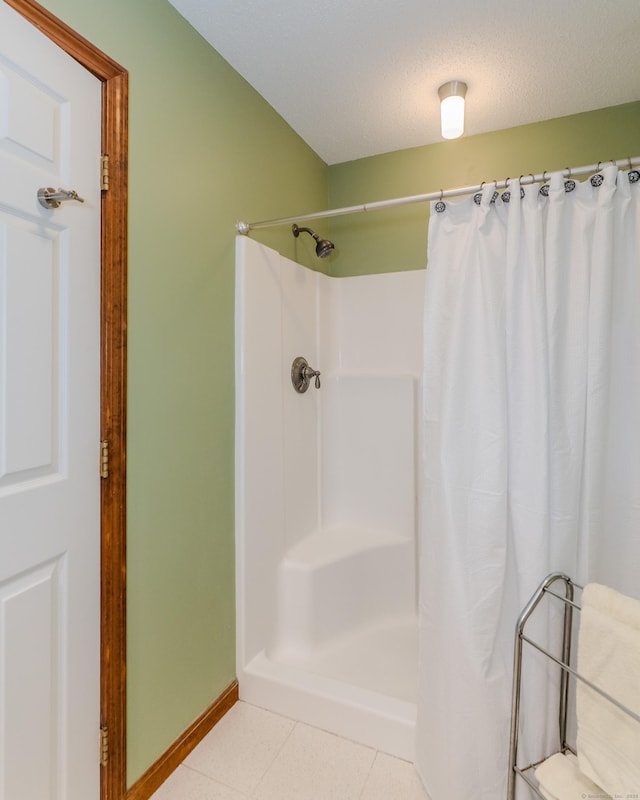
(113, 382)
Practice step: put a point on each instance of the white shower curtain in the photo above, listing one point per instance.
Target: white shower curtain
(531, 445)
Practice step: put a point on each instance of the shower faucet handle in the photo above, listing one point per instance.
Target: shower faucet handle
(312, 373)
(302, 373)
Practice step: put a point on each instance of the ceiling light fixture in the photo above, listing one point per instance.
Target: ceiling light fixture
(452, 96)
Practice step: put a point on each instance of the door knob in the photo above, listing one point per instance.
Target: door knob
(50, 198)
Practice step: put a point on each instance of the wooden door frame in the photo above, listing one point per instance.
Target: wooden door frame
(113, 368)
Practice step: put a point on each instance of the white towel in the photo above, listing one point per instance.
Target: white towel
(560, 779)
(609, 655)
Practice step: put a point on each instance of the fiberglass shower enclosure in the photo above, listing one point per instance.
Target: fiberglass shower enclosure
(326, 511)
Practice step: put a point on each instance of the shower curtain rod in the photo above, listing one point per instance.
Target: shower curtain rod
(245, 227)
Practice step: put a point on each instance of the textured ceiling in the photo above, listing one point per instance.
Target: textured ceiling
(360, 77)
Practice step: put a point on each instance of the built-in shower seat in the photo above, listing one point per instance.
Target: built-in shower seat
(337, 581)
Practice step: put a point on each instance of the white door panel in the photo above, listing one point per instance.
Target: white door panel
(28, 397)
(50, 123)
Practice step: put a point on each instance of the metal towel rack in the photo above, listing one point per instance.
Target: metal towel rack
(566, 670)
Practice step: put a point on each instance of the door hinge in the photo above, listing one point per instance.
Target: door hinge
(104, 745)
(104, 459)
(104, 173)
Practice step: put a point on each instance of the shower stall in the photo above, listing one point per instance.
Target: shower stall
(326, 497)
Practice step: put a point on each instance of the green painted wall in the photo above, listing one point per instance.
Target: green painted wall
(396, 239)
(205, 151)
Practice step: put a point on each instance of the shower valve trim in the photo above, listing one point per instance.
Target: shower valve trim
(302, 373)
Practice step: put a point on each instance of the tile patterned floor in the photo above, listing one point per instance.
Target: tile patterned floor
(253, 754)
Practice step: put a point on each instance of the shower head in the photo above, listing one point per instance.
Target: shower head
(324, 247)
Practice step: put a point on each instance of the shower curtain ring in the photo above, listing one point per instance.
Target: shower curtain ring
(569, 171)
(441, 194)
(629, 161)
(599, 163)
(482, 185)
(506, 183)
(533, 177)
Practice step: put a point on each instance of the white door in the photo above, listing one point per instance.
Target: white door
(50, 121)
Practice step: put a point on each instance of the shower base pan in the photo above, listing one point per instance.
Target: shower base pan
(361, 685)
